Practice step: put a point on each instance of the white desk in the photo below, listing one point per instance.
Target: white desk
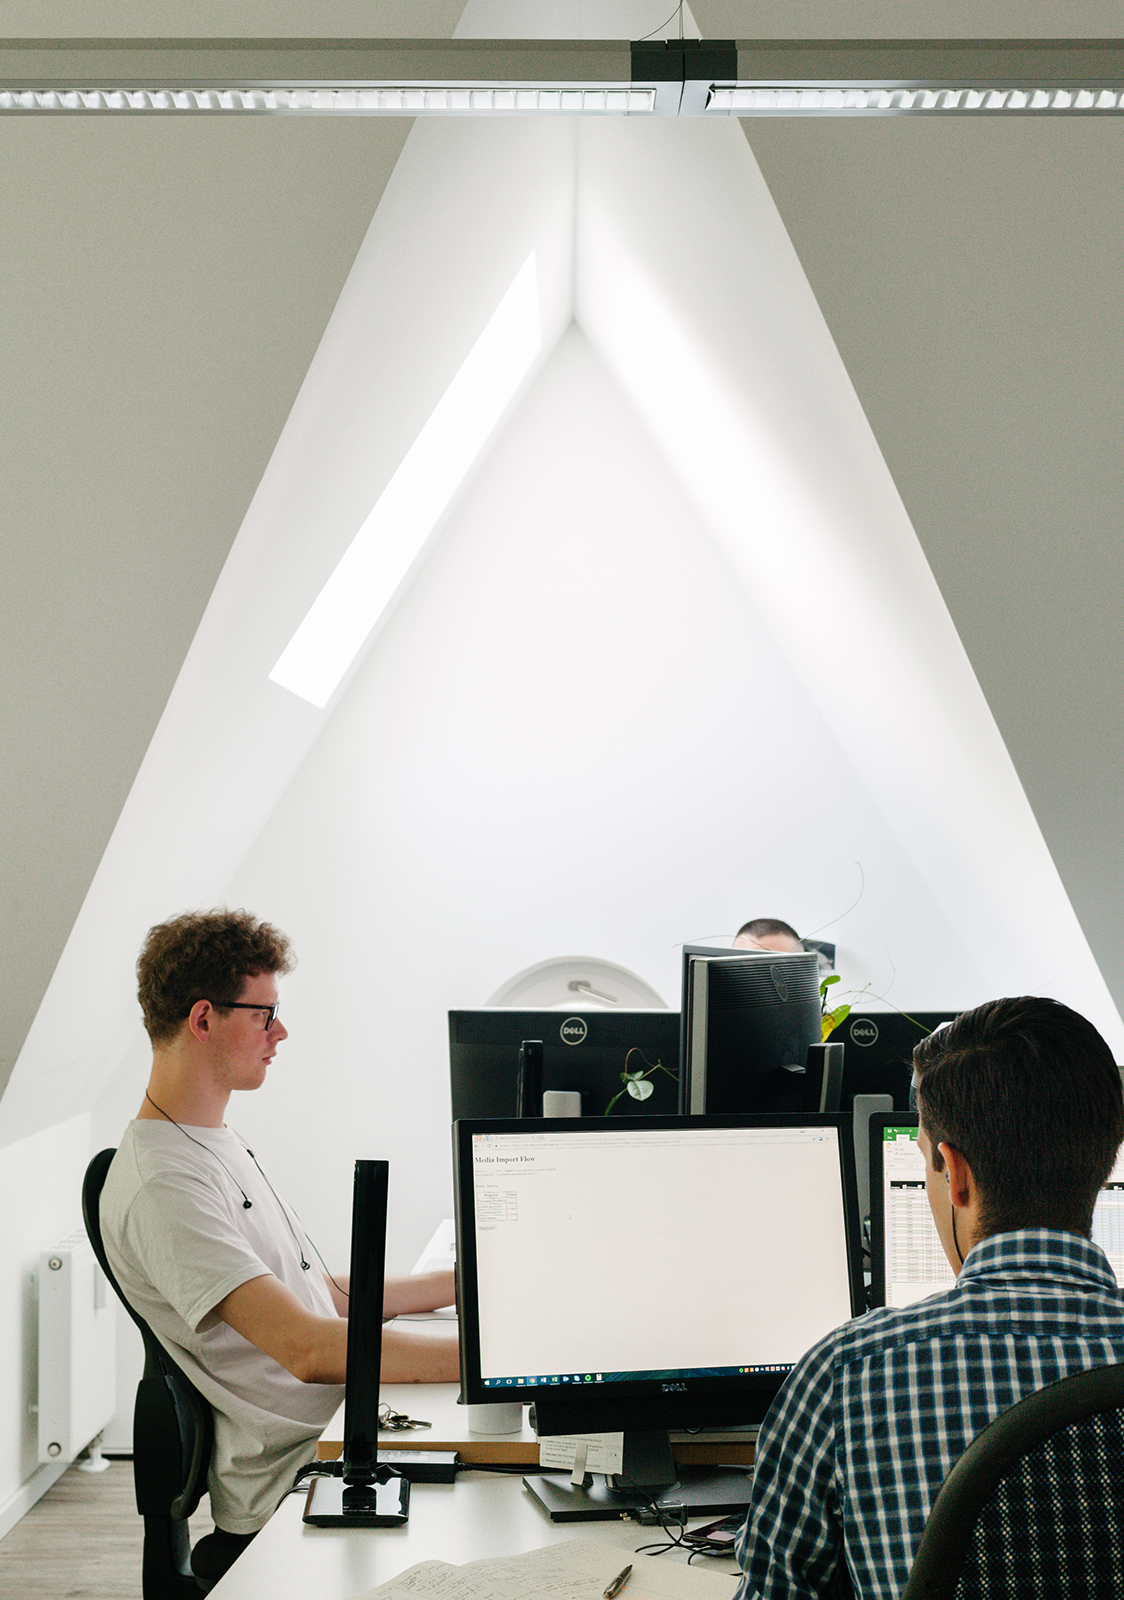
(480, 1515)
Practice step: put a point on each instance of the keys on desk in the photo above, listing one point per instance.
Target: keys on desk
(397, 1421)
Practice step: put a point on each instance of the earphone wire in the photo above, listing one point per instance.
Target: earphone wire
(285, 1213)
(247, 1203)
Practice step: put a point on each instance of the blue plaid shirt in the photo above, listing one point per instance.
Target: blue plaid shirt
(868, 1424)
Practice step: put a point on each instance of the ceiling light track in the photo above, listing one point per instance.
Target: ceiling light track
(481, 77)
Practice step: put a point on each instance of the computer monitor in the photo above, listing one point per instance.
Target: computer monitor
(365, 1494)
(907, 1259)
(643, 1275)
(879, 1051)
(584, 1052)
(749, 1020)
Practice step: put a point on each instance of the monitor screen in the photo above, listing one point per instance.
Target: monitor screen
(907, 1259)
(584, 1052)
(650, 1274)
(749, 1020)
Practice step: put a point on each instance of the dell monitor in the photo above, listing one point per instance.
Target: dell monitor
(583, 1052)
(879, 1051)
(648, 1274)
(749, 1021)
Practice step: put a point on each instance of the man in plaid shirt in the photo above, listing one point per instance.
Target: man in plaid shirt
(1021, 1116)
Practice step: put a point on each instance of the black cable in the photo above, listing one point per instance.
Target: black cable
(247, 1203)
(678, 12)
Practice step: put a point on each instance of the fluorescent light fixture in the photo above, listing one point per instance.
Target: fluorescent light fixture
(841, 101)
(373, 567)
(562, 77)
(403, 101)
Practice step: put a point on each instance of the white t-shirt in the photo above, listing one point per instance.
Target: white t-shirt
(179, 1238)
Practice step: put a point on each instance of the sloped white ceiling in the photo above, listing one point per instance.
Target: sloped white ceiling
(164, 288)
(689, 288)
(972, 279)
(162, 292)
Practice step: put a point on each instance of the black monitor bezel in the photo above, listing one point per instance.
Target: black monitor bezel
(364, 1322)
(701, 1402)
(716, 953)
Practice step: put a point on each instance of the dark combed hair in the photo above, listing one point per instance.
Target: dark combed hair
(203, 955)
(760, 926)
(1029, 1094)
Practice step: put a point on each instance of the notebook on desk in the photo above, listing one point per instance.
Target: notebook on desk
(907, 1259)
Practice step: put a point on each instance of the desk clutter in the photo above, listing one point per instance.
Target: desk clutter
(578, 1569)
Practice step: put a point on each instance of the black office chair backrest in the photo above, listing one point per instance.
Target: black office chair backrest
(1035, 1505)
(173, 1425)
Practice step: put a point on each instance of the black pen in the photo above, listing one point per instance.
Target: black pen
(618, 1583)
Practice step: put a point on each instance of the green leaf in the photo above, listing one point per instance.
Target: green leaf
(832, 1019)
(639, 1088)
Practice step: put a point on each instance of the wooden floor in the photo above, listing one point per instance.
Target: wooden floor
(81, 1541)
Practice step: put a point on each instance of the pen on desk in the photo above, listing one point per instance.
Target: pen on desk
(618, 1583)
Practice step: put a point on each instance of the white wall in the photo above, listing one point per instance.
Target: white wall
(41, 1202)
(574, 735)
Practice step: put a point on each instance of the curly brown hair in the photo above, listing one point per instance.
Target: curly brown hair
(203, 955)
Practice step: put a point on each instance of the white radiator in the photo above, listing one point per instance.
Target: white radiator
(77, 1349)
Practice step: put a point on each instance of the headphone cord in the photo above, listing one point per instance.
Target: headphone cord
(247, 1203)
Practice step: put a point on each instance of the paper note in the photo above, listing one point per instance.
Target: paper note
(604, 1452)
(577, 1569)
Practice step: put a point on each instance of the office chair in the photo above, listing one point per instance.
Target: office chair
(173, 1431)
(1035, 1505)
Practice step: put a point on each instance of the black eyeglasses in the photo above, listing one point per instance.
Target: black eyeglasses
(268, 1012)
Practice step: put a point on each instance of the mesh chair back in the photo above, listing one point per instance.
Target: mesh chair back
(1055, 1524)
(1035, 1505)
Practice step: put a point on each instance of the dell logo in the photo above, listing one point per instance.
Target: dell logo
(863, 1031)
(674, 1388)
(573, 1030)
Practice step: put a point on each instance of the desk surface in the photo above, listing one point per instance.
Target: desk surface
(480, 1515)
(436, 1403)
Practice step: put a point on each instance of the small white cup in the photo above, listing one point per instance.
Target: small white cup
(561, 1103)
(504, 1417)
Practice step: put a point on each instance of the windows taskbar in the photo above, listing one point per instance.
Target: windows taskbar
(672, 1375)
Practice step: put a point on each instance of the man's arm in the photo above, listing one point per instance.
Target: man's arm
(791, 1543)
(268, 1314)
(424, 1291)
(314, 1349)
(420, 1355)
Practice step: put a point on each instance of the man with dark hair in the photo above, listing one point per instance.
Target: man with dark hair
(1021, 1117)
(206, 1250)
(767, 933)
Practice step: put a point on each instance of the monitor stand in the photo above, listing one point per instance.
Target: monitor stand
(650, 1477)
(383, 1503)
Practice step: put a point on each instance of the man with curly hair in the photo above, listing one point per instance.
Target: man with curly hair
(208, 1253)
